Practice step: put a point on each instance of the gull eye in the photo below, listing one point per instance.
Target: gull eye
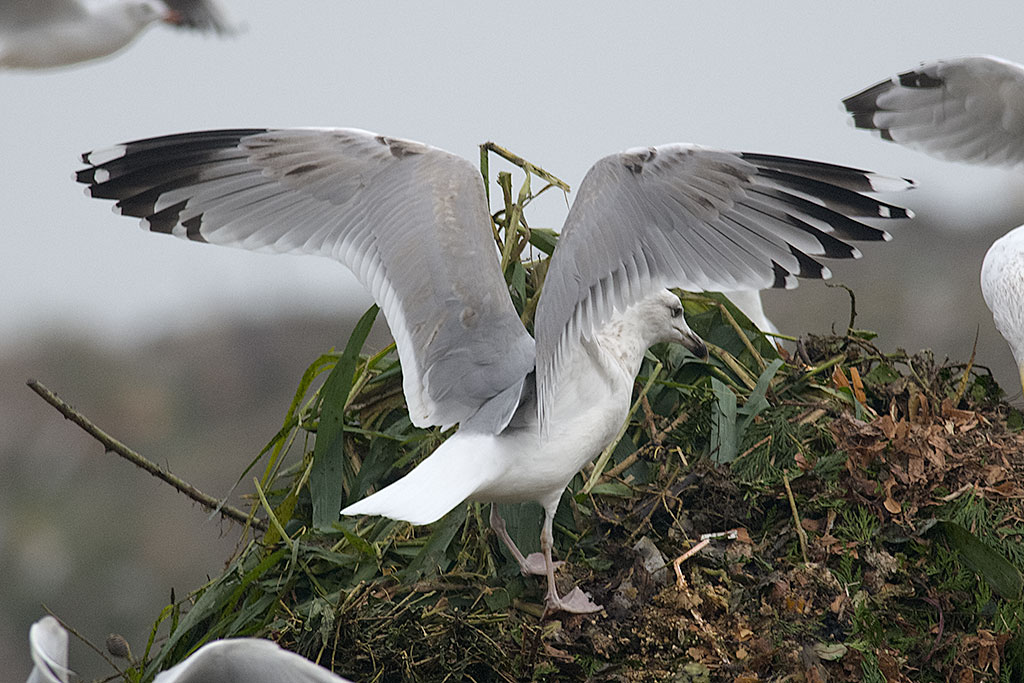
(677, 311)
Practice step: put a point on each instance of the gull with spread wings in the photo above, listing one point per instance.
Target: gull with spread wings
(412, 222)
(968, 109)
(43, 34)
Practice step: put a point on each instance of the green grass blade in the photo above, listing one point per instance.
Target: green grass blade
(431, 558)
(325, 479)
(724, 438)
(1004, 578)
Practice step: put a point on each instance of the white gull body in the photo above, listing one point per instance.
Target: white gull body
(412, 222)
(43, 34)
(524, 462)
(1002, 285)
(968, 109)
(231, 660)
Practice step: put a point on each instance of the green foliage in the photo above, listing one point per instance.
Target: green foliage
(329, 449)
(727, 427)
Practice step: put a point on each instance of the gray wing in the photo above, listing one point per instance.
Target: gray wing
(48, 645)
(967, 109)
(411, 221)
(204, 15)
(20, 15)
(246, 660)
(700, 219)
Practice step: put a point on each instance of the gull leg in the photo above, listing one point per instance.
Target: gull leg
(534, 564)
(576, 601)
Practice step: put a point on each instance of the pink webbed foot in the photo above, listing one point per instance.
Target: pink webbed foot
(574, 602)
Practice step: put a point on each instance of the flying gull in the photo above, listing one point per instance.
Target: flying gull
(231, 660)
(41, 34)
(968, 109)
(412, 222)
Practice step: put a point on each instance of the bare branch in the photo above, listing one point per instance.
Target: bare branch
(112, 445)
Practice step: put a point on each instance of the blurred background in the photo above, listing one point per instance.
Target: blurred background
(190, 353)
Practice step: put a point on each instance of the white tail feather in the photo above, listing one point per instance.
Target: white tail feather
(461, 466)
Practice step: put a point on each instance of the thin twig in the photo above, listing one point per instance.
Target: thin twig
(525, 165)
(853, 303)
(800, 533)
(112, 445)
(967, 371)
(680, 581)
(754, 447)
(626, 463)
(70, 629)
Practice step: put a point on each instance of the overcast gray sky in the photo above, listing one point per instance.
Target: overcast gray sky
(561, 83)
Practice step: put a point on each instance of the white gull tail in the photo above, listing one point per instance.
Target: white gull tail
(458, 468)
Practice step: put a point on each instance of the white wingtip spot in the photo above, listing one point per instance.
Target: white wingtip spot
(856, 253)
(791, 281)
(102, 156)
(825, 273)
(144, 224)
(886, 237)
(882, 183)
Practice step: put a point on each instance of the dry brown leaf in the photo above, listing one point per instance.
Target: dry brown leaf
(915, 468)
(801, 462)
(887, 425)
(994, 474)
(552, 651)
(839, 379)
(813, 525)
(858, 386)
(917, 408)
(890, 503)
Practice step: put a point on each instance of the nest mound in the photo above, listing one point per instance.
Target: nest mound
(872, 505)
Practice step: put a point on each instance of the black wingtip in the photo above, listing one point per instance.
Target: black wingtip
(919, 79)
(783, 279)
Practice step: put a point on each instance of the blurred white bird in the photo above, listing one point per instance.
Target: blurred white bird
(233, 660)
(41, 34)
(413, 223)
(968, 109)
(48, 645)
(1002, 285)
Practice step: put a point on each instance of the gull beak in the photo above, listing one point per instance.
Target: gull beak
(174, 18)
(696, 345)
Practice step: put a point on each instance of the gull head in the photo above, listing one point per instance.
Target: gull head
(664, 321)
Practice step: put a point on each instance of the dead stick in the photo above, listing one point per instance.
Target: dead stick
(655, 442)
(70, 629)
(112, 445)
(800, 533)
